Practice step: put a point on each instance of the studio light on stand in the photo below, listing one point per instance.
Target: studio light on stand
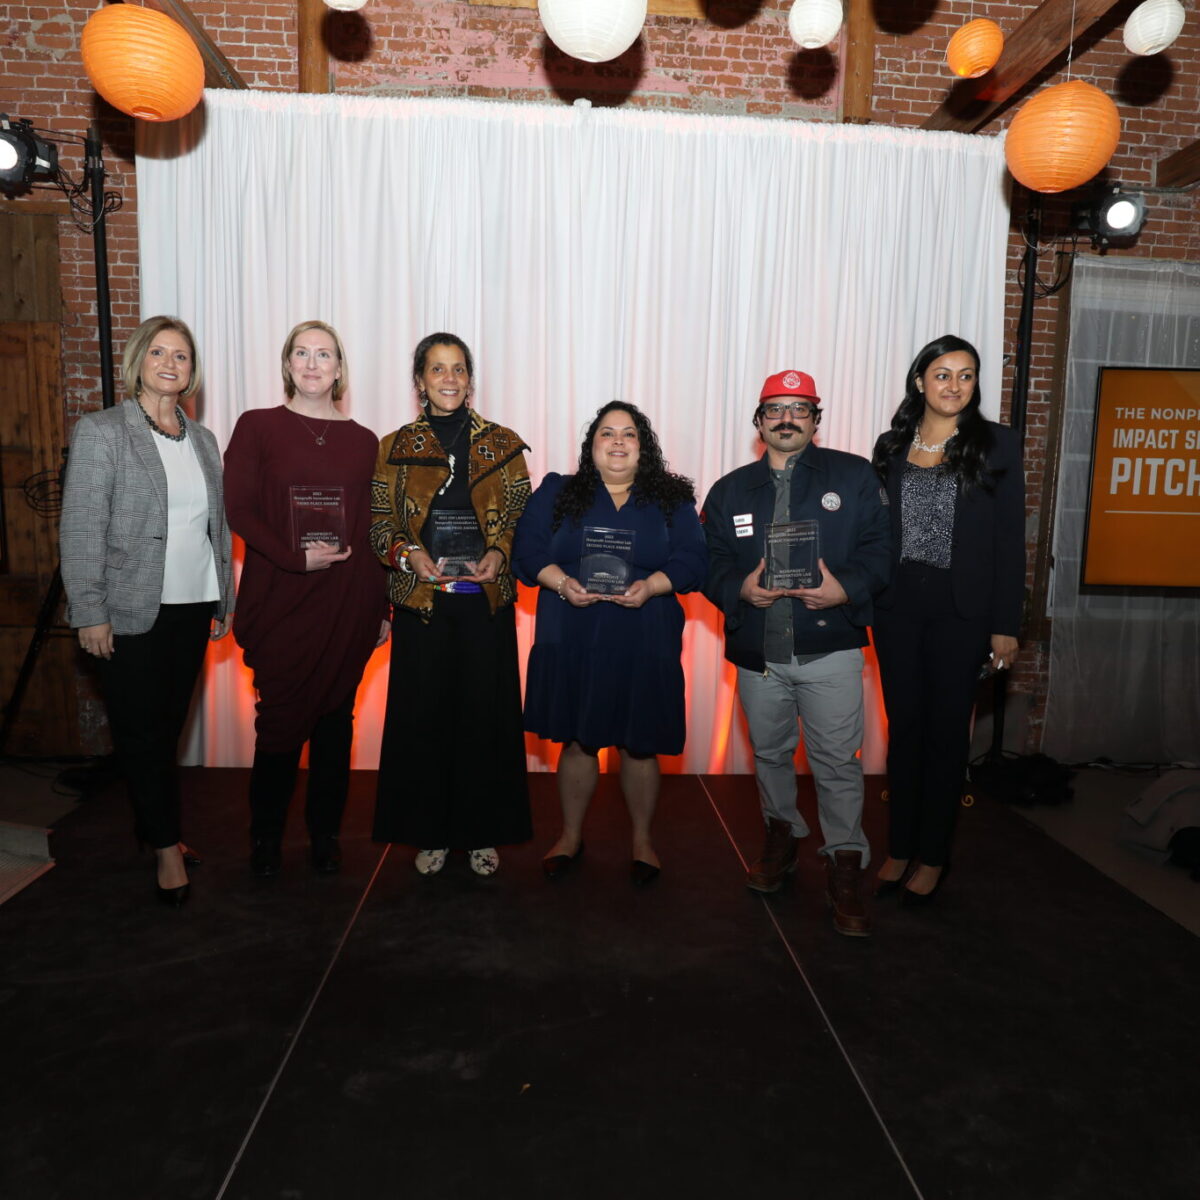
(1111, 215)
(24, 157)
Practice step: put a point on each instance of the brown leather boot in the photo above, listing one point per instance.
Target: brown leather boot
(777, 860)
(843, 884)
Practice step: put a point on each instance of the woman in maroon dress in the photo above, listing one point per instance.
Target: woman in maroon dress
(308, 615)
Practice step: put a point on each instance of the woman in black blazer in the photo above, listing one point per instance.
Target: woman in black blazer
(957, 498)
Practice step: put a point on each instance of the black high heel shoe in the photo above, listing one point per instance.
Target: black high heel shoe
(190, 857)
(911, 899)
(175, 897)
(642, 873)
(889, 887)
(557, 865)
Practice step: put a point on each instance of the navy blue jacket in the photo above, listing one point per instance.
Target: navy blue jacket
(987, 558)
(842, 492)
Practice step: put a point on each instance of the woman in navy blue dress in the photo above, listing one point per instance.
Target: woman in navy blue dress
(604, 669)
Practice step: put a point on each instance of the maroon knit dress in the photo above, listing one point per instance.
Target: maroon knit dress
(306, 635)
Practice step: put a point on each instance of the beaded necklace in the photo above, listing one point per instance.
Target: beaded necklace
(171, 437)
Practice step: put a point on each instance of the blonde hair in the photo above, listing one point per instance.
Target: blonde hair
(140, 342)
(340, 384)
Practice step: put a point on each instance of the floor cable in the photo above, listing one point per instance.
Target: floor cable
(312, 1003)
(821, 1011)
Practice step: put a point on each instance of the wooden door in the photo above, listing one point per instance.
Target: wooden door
(31, 446)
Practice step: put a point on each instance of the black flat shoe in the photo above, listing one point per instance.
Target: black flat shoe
(265, 857)
(642, 873)
(557, 865)
(326, 856)
(175, 897)
(911, 899)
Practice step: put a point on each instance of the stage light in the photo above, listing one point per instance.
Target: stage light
(24, 156)
(1110, 215)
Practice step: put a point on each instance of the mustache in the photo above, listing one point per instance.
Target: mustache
(786, 425)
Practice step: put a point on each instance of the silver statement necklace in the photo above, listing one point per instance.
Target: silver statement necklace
(936, 447)
(318, 437)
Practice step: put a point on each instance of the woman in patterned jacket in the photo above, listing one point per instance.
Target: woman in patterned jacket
(448, 491)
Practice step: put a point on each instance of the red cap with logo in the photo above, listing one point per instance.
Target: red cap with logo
(790, 383)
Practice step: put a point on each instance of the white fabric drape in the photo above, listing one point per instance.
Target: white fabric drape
(583, 254)
(1124, 665)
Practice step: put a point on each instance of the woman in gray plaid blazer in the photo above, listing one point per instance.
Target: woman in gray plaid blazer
(146, 563)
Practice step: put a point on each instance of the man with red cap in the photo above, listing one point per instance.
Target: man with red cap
(797, 643)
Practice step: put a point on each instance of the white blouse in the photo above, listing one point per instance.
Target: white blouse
(190, 573)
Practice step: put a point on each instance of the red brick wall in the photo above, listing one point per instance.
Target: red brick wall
(738, 61)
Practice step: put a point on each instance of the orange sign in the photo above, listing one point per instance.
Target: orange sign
(1143, 527)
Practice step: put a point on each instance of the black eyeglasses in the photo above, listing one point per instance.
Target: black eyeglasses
(798, 408)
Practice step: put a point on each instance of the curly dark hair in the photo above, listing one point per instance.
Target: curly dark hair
(427, 343)
(967, 454)
(653, 483)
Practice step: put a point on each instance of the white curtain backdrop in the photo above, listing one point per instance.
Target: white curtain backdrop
(1124, 665)
(583, 254)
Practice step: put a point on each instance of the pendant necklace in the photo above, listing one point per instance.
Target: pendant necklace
(936, 447)
(318, 437)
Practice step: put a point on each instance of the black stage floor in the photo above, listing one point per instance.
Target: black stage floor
(378, 1034)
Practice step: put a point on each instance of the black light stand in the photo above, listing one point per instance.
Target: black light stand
(94, 211)
(1016, 418)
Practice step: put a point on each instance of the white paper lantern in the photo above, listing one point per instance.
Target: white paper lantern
(346, 5)
(1153, 26)
(814, 23)
(593, 30)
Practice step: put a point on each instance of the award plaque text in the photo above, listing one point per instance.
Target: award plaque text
(318, 515)
(454, 540)
(606, 566)
(793, 548)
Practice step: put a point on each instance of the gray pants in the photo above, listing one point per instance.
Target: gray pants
(826, 695)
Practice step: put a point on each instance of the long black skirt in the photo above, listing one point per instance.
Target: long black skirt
(452, 761)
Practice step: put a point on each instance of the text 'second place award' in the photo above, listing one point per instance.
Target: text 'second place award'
(793, 548)
(454, 540)
(318, 515)
(606, 566)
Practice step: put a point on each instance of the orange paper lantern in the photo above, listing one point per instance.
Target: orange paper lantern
(974, 48)
(142, 62)
(1062, 137)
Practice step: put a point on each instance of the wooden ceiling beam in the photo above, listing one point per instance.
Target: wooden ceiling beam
(1030, 48)
(219, 72)
(1179, 169)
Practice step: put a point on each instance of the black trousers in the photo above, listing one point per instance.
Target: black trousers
(273, 778)
(148, 685)
(929, 660)
(452, 760)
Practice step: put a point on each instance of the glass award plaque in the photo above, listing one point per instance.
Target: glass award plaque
(606, 565)
(318, 515)
(454, 540)
(793, 548)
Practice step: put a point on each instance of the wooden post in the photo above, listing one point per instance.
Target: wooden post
(858, 80)
(312, 52)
